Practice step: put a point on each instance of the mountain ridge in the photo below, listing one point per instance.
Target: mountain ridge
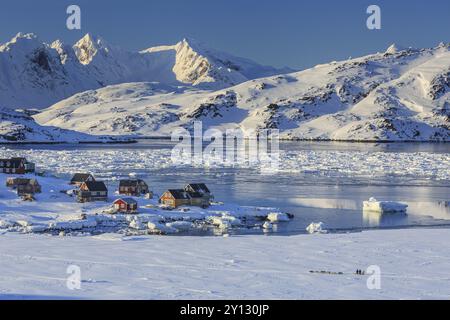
(52, 72)
(397, 95)
(401, 94)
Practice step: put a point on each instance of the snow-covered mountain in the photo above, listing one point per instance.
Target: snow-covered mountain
(34, 74)
(401, 94)
(196, 64)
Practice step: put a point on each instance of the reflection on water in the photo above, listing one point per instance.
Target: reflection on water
(373, 219)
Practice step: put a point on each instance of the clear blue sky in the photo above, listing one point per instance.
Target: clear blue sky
(295, 33)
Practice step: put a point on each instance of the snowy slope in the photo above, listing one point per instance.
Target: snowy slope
(19, 126)
(243, 267)
(401, 94)
(34, 74)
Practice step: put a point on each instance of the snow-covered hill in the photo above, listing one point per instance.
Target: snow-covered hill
(34, 74)
(401, 94)
(18, 126)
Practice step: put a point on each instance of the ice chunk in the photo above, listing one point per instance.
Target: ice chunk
(23, 223)
(180, 225)
(384, 206)
(159, 227)
(277, 217)
(36, 228)
(316, 228)
(267, 225)
(224, 221)
(66, 225)
(137, 224)
(4, 224)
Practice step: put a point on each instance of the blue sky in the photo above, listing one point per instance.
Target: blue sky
(293, 33)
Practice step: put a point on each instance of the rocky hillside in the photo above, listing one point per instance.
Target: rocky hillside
(397, 95)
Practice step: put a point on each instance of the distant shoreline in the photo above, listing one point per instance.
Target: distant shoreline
(66, 142)
(137, 139)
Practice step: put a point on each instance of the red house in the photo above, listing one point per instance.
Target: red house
(125, 205)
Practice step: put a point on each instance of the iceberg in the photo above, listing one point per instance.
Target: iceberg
(384, 206)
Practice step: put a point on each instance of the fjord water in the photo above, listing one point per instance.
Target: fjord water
(323, 194)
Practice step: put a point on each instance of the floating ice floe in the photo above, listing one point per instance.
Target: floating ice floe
(316, 228)
(384, 206)
(277, 217)
(224, 221)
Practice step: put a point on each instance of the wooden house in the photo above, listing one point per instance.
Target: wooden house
(92, 191)
(198, 199)
(200, 188)
(134, 187)
(16, 166)
(79, 178)
(125, 205)
(175, 198)
(30, 187)
(14, 182)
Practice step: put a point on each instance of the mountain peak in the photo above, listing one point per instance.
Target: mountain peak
(92, 40)
(22, 41)
(87, 48)
(193, 44)
(395, 48)
(22, 35)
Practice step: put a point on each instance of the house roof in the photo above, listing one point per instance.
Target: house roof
(96, 186)
(131, 182)
(195, 195)
(179, 194)
(127, 200)
(34, 182)
(81, 177)
(15, 162)
(199, 187)
(20, 181)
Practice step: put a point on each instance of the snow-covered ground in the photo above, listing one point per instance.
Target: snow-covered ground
(414, 264)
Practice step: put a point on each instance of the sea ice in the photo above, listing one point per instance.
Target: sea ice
(384, 206)
(316, 228)
(277, 217)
